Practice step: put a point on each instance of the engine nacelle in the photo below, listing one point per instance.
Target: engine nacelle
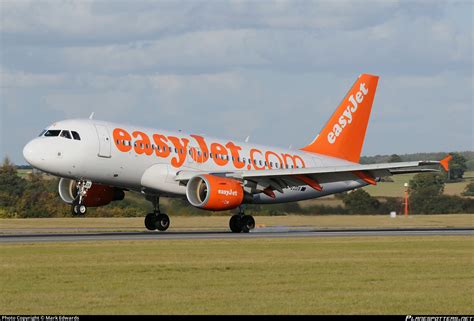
(97, 195)
(214, 193)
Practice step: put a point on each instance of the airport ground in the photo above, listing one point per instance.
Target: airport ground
(311, 275)
(221, 223)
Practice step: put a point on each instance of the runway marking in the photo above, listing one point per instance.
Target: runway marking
(259, 233)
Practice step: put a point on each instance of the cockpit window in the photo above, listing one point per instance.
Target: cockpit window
(75, 135)
(52, 133)
(66, 134)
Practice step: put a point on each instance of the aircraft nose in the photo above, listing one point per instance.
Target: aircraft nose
(32, 152)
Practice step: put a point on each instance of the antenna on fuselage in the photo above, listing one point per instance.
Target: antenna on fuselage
(247, 139)
(91, 116)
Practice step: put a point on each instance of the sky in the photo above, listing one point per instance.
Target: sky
(271, 70)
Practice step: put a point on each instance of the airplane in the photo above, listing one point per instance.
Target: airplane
(98, 160)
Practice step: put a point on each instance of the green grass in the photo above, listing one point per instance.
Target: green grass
(359, 275)
(180, 223)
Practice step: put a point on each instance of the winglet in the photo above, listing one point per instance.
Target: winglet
(445, 162)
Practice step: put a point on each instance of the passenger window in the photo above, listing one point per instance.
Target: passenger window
(66, 134)
(75, 135)
(52, 133)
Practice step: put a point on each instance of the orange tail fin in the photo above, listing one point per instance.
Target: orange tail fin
(343, 136)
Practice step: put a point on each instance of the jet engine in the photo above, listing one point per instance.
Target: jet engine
(97, 195)
(214, 193)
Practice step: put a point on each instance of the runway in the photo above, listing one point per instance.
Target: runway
(275, 232)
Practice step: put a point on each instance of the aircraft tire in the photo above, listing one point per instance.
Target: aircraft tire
(75, 209)
(150, 221)
(235, 224)
(81, 209)
(248, 223)
(162, 222)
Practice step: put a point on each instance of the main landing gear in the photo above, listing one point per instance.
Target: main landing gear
(241, 222)
(157, 220)
(77, 208)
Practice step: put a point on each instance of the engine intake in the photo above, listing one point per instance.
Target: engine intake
(97, 195)
(214, 193)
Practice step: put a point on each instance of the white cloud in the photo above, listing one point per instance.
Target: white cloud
(28, 80)
(272, 69)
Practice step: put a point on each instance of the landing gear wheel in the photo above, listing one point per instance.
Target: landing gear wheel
(81, 209)
(75, 209)
(248, 223)
(78, 209)
(150, 221)
(162, 222)
(235, 224)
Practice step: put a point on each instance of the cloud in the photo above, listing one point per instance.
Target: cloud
(273, 69)
(91, 22)
(29, 80)
(206, 37)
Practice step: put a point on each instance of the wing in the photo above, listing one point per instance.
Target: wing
(257, 181)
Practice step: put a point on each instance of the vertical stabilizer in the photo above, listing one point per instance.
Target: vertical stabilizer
(343, 135)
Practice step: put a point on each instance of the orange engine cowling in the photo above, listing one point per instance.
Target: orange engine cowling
(214, 193)
(97, 195)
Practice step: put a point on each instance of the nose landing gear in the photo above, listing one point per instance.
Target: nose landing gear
(77, 207)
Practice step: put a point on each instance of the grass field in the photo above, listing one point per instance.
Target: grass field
(73, 225)
(359, 275)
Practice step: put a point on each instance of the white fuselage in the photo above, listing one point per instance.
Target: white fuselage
(147, 160)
